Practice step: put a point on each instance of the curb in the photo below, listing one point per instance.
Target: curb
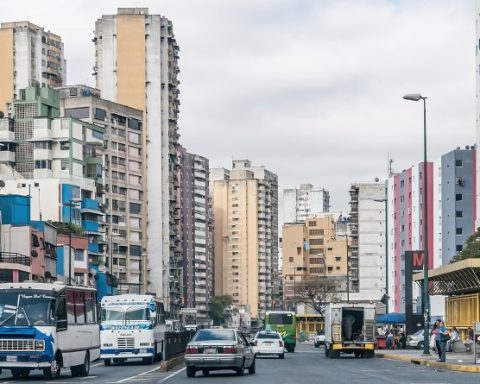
(430, 363)
(167, 365)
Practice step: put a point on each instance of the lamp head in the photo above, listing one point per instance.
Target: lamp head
(414, 97)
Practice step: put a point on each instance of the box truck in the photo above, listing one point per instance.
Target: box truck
(350, 328)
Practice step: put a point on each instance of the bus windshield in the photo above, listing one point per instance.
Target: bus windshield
(27, 308)
(125, 314)
(280, 318)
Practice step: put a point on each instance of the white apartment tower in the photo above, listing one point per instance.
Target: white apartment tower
(245, 212)
(30, 56)
(367, 260)
(301, 203)
(136, 65)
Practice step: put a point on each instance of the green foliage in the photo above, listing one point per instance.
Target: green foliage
(471, 250)
(65, 228)
(217, 309)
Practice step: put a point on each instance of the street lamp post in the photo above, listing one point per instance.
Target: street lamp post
(425, 296)
(71, 203)
(348, 270)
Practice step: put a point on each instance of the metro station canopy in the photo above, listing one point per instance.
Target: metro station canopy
(458, 278)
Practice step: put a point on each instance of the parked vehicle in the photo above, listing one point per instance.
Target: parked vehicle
(285, 323)
(48, 327)
(217, 349)
(132, 326)
(319, 339)
(350, 328)
(416, 340)
(268, 343)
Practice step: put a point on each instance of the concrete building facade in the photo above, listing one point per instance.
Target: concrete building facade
(245, 211)
(30, 57)
(367, 269)
(301, 203)
(196, 231)
(136, 65)
(458, 203)
(125, 179)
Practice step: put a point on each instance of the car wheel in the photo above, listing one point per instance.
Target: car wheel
(316, 345)
(107, 362)
(420, 345)
(251, 369)
(205, 372)
(191, 371)
(281, 356)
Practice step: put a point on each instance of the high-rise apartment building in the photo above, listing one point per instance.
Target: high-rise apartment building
(124, 201)
(405, 227)
(30, 57)
(458, 211)
(315, 248)
(196, 231)
(304, 202)
(245, 211)
(136, 65)
(367, 270)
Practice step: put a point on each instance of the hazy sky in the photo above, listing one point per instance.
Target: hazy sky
(312, 89)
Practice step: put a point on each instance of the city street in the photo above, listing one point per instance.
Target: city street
(306, 365)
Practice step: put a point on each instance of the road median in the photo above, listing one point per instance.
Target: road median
(171, 363)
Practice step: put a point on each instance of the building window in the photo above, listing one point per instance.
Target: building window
(458, 213)
(299, 250)
(458, 163)
(458, 197)
(43, 164)
(79, 255)
(64, 145)
(459, 231)
(315, 232)
(459, 247)
(78, 113)
(290, 259)
(312, 223)
(316, 241)
(316, 260)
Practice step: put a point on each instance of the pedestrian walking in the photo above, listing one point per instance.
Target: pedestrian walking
(442, 336)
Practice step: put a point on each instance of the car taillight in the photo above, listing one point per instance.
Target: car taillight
(229, 350)
(190, 350)
(280, 343)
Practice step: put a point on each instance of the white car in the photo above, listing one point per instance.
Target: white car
(319, 339)
(268, 343)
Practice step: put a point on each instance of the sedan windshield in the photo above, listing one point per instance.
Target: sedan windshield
(26, 308)
(214, 334)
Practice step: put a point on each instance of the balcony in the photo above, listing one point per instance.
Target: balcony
(90, 226)
(90, 206)
(7, 156)
(15, 258)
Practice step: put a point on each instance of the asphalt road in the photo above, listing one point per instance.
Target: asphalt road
(306, 365)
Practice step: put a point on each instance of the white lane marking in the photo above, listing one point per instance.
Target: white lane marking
(133, 377)
(170, 376)
(96, 365)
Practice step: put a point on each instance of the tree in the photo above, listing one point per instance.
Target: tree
(217, 309)
(317, 291)
(66, 228)
(471, 250)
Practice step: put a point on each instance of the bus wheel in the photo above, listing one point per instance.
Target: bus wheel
(107, 362)
(84, 369)
(53, 371)
(149, 360)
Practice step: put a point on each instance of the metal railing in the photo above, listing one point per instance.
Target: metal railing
(15, 258)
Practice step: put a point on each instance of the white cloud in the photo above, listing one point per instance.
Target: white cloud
(311, 89)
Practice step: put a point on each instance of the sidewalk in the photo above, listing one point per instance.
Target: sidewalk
(461, 362)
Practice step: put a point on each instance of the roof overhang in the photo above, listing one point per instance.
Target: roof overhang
(453, 279)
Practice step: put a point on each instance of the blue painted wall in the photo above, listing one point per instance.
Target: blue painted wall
(15, 209)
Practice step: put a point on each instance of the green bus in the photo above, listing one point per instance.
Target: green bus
(285, 323)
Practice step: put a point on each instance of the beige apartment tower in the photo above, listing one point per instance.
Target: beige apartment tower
(245, 211)
(317, 247)
(136, 57)
(30, 56)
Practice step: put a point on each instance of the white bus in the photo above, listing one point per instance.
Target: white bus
(132, 326)
(48, 326)
(189, 319)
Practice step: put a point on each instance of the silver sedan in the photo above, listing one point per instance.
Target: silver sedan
(217, 349)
